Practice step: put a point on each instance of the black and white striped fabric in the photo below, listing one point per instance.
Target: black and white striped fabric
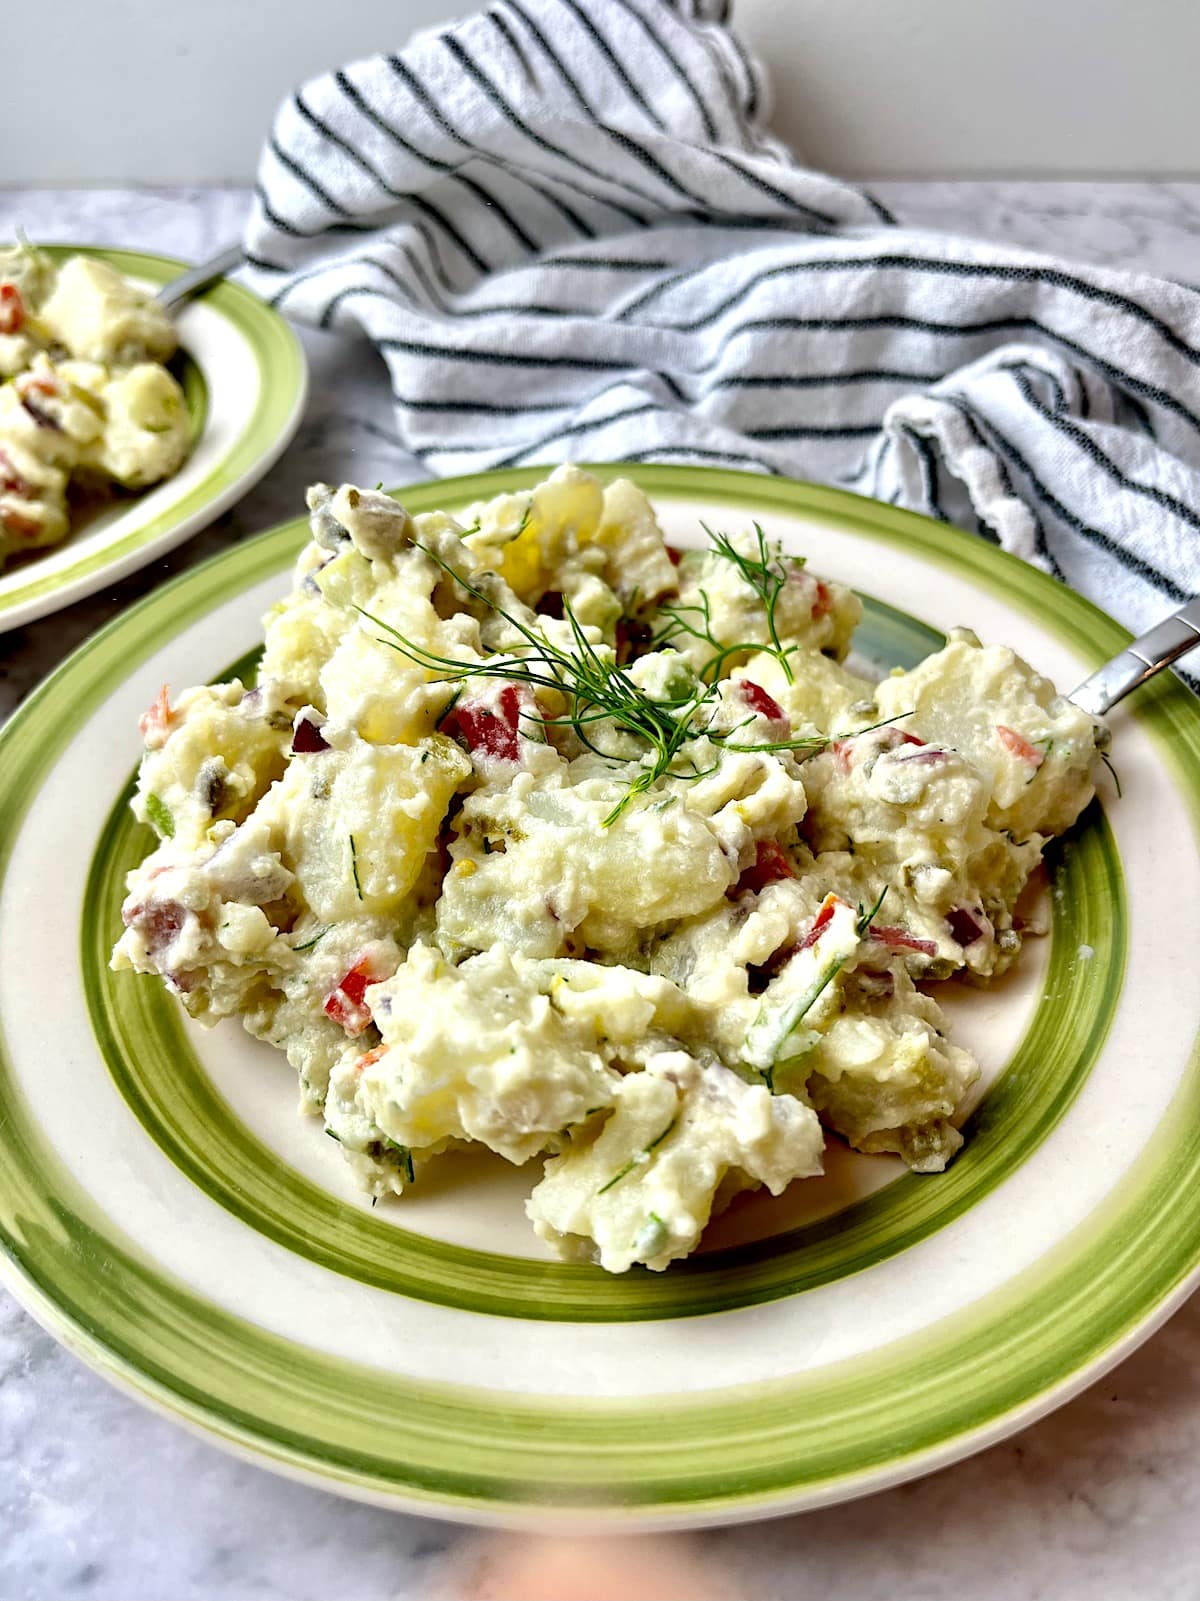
(565, 227)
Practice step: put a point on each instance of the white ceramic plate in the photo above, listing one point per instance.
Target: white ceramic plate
(244, 376)
(165, 1213)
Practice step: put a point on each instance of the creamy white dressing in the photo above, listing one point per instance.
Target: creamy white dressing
(529, 838)
(88, 403)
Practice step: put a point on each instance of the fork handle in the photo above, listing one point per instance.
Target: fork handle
(196, 278)
(1165, 643)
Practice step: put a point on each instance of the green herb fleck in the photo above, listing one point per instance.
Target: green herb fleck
(309, 943)
(791, 1013)
(635, 1160)
(159, 814)
(354, 868)
(1112, 770)
(511, 536)
(405, 1155)
(1045, 754)
(454, 698)
(651, 1236)
(865, 919)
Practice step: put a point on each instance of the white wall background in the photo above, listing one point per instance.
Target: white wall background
(117, 91)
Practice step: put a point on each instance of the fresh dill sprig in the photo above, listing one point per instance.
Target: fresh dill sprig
(814, 742)
(597, 689)
(766, 575)
(680, 622)
(865, 919)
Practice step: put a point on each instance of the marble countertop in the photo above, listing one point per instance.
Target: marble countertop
(100, 1498)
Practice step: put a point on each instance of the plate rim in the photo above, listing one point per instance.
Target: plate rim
(666, 482)
(243, 463)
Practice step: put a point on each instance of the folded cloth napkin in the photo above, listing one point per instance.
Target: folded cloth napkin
(567, 230)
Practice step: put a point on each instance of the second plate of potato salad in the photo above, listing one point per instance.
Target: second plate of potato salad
(85, 402)
(537, 834)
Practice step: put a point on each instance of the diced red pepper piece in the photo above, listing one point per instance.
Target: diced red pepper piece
(12, 309)
(674, 555)
(11, 482)
(346, 1006)
(370, 1057)
(823, 603)
(17, 523)
(758, 700)
(307, 738)
(354, 985)
(41, 383)
(779, 959)
(901, 939)
(155, 723)
(490, 728)
(820, 922)
(1020, 746)
(769, 866)
(28, 385)
(908, 739)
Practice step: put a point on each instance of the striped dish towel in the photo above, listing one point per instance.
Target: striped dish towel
(565, 227)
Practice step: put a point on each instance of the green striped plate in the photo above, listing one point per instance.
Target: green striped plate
(244, 377)
(166, 1214)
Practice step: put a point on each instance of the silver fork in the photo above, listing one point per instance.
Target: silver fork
(198, 278)
(1165, 643)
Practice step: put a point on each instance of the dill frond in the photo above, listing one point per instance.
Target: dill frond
(766, 574)
(599, 691)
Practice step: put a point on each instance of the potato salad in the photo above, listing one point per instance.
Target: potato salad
(85, 402)
(536, 834)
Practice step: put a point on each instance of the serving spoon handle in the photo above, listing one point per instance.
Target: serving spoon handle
(197, 278)
(1164, 643)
